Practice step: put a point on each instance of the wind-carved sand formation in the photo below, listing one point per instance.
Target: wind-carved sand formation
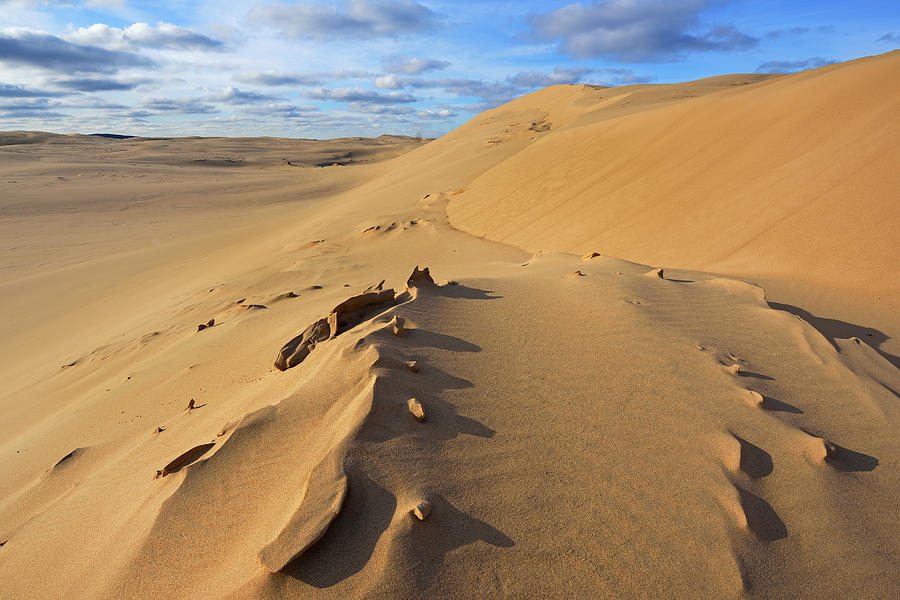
(327, 485)
(713, 414)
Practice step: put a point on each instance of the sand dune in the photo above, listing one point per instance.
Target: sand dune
(790, 178)
(591, 397)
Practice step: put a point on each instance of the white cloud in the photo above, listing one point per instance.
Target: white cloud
(232, 95)
(274, 79)
(161, 36)
(558, 75)
(358, 95)
(635, 30)
(362, 19)
(22, 46)
(792, 66)
(185, 106)
(413, 66)
(389, 82)
(100, 84)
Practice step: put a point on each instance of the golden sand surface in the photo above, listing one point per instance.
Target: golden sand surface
(654, 355)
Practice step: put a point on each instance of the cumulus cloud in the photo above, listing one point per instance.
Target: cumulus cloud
(399, 111)
(232, 95)
(185, 106)
(389, 82)
(380, 109)
(138, 114)
(792, 66)
(358, 95)
(22, 108)
(284, 110)
(346, 74)
(793, 31)
(412, 66)
(94, 84)
(443, 113)
(635, 30)
(273, 79)
(19, 46)
(534, 79)
(362, 19)
(614, 77)
(276, 79)
(477, 107)
(605, 76)
(7, 90)
(162, 36)
(95, 103)
(493, 91)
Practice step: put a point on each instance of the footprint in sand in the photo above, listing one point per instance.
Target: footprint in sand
(759, 516)
(762, 520)
(844, 459)
(770, 404)
(754, 461)
(839, 457)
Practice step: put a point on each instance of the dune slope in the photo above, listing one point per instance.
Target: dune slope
(792, 178)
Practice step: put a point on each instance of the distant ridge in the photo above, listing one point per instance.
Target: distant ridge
(113, 136)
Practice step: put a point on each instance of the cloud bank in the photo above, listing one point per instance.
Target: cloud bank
(633, 31)
(362, 19)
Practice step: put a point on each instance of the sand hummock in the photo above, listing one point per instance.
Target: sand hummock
(561, 419)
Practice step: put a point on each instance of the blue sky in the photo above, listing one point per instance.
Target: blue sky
(367, 67)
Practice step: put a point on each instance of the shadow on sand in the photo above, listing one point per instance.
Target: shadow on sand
(367, 512)
(833, 329)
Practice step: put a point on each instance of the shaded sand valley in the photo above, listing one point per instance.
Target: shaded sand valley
(583, 426)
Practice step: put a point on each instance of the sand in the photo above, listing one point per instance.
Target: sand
(593, 392)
